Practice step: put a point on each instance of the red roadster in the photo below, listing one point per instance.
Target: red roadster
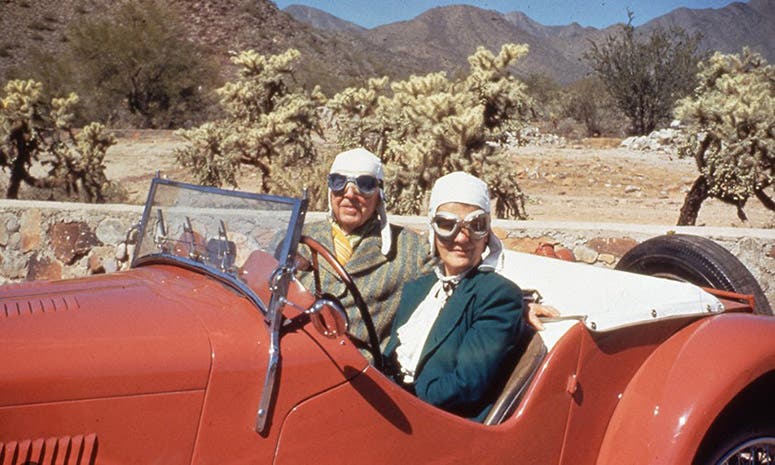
(208, 351)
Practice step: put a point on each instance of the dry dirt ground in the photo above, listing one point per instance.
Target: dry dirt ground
(593, 181)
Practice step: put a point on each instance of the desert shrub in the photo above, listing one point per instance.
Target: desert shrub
(267, 124)
(546, 94)
(646, 77)
(141, 61)
(53, 74)
(427, 126)
(34, 130)
(588, 102)
(133, 66)
(729, 119)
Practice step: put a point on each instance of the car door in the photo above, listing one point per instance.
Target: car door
(372, 420)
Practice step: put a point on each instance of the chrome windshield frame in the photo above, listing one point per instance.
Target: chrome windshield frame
(278, 285)
(297, 206)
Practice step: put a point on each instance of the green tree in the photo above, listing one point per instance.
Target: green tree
(267, 124)
(427, 126)
(132, 64)
(646, 78)
(731, 122)
(587, 102)
(546, 94)
(32, 130)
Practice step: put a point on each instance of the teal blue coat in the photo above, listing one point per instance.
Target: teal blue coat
(471, 345)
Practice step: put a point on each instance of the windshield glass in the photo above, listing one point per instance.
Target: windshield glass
(215, 229)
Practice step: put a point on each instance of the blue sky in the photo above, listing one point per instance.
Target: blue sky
(596, 13)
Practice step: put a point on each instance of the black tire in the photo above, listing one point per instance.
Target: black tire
(741, 446)
(696, 260)
(744, 432)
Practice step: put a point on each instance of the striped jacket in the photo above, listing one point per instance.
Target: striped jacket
(379, 278)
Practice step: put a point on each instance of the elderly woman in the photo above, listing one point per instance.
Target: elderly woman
(456, 328)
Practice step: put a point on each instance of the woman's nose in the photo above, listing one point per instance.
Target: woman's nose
(463, 236)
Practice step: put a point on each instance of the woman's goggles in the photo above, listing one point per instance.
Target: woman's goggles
(447, 225)
(365, 184)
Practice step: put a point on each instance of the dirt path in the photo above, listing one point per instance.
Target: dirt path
(619, 186)
(590, 184)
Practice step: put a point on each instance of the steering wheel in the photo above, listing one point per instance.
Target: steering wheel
(319, 249)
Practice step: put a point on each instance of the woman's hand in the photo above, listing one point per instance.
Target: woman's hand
(535, 311)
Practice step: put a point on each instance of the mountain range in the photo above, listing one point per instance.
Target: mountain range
(337, 53)
(443, 37)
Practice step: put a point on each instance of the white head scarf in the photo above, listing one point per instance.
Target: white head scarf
(464, 188)
(360, 161)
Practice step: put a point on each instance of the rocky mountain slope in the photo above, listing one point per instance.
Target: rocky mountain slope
(727, 29)
(330, 58)
(442, 37)
(336, 53)
(322, 20)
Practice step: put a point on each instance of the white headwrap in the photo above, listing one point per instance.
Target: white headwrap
(464, 188)
(360, 161)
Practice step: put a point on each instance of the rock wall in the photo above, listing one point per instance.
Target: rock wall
(52, 240)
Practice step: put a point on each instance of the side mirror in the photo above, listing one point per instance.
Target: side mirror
(328, 317)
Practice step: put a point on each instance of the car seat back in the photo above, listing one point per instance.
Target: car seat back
(533, 351)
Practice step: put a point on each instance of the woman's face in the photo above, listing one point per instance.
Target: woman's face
(463, 250)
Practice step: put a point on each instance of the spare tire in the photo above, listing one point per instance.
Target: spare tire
(696, 260)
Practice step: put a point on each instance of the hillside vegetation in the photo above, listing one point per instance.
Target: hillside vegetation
(338, 55)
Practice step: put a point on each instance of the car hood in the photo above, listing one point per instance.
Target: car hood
(114, 335)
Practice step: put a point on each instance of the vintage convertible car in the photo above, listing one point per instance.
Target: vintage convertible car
(209, 351)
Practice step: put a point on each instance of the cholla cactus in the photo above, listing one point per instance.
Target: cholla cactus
(267, 125)
(209, 156)
(32, 131)
(358, 123)
(430, 125)
(731, 120)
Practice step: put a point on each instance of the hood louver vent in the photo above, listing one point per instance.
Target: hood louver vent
(16, 308)
(68, 450)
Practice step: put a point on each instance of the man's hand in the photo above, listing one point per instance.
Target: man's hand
(535, 311)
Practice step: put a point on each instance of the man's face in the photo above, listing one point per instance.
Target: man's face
(352, 209)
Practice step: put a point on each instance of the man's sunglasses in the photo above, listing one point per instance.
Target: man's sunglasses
(447, 225)
(365, 184)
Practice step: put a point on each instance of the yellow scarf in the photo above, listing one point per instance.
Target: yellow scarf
(343, 249)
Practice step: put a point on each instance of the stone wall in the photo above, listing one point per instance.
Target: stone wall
(52, 240)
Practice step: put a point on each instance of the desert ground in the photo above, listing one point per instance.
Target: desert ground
(591, 180)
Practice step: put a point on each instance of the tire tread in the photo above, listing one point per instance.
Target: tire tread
(697, 260)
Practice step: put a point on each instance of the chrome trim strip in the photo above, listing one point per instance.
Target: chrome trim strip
(278, 285)
(146, 215)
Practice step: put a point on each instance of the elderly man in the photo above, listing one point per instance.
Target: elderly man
(379, 256)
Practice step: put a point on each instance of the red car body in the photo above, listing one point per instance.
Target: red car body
(168, 364)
